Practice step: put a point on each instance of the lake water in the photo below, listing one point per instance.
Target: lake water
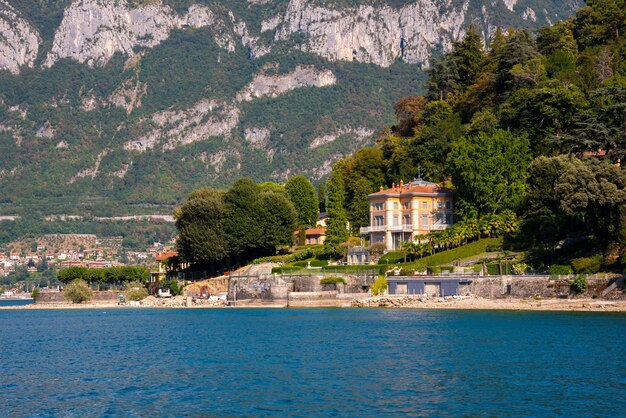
(311, 362)
(15, 302)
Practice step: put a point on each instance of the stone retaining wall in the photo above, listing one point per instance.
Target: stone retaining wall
(542, 286)
(58, 297)
(277, 287)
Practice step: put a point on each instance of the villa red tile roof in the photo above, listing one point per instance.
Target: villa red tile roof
(418, 186)
(165, 255)
(312, 231)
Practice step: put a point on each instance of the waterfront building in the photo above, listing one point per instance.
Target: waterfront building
(406, 210)
(431, 286)
(313, 236)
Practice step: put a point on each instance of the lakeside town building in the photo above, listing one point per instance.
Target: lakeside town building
(405, 210)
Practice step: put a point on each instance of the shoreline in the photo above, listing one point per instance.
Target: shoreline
(463, 303)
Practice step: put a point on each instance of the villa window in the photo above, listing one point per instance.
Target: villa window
(448, 204)
(439, 204)
(424, 205)
(396, 220)
(424, 221)
(406, 220)
(395, 205)
(449, 219)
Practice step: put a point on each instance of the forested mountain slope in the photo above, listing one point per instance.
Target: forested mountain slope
(110, 107)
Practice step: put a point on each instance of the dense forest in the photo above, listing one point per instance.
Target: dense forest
(530, 129)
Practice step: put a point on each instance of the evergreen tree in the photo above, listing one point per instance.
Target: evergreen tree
(302, 194)
(244, 226)
(359, 208)
(278, 218)
(489, 171)
(200, 222)
(469, 57)
(321, 197)
(336, 232)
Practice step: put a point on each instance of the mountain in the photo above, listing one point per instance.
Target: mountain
(121, 107)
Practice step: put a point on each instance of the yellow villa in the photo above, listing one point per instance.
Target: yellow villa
(405, 210)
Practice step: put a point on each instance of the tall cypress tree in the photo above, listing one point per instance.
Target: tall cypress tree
(302, 194)
(336, 232)
(321, 197)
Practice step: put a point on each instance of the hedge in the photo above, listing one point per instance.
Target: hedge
(450, 256)
(392, 257)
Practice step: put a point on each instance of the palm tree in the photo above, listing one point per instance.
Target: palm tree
(405, 247)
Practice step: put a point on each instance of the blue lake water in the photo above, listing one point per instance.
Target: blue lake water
(311, 362)
(17, 302)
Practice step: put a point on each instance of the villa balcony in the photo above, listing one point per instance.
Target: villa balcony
(382, 228)
(367, 229)
(438, 227)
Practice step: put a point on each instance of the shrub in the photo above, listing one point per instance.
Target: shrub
(333, 280)
(557, 270)
(172, 285)
(450, 256)
(440, 269)
(579, 284)
(379, 285)
(494, 269)
(78, 291)
(493, 248)
(314, 263)
(377, 249)
(392, 257)
(35, 293)
(271, 259)
(520, 268)
(587, 265)
(300, 255)
(286, 269)
(136, 291)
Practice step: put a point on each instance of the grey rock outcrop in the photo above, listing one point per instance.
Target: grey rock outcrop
(211, 118)
(19, 41)
(275, 85)
(92, 31)
(375, 35)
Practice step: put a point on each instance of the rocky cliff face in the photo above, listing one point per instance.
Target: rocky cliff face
(93, 30)
(144, 100)
(19, 41)
(375, 35)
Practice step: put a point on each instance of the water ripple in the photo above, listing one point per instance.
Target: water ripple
(324, 362)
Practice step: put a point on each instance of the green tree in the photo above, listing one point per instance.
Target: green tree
(489, 171)
(302, 194)
(469, 57)
(78, 291)
(359, 214)
(557, 37)
(593, 192)
(243, 223)
(518, 49)
(201, 225)
(136, 291)
(336, 232)
(321, 197)
(278, 217)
